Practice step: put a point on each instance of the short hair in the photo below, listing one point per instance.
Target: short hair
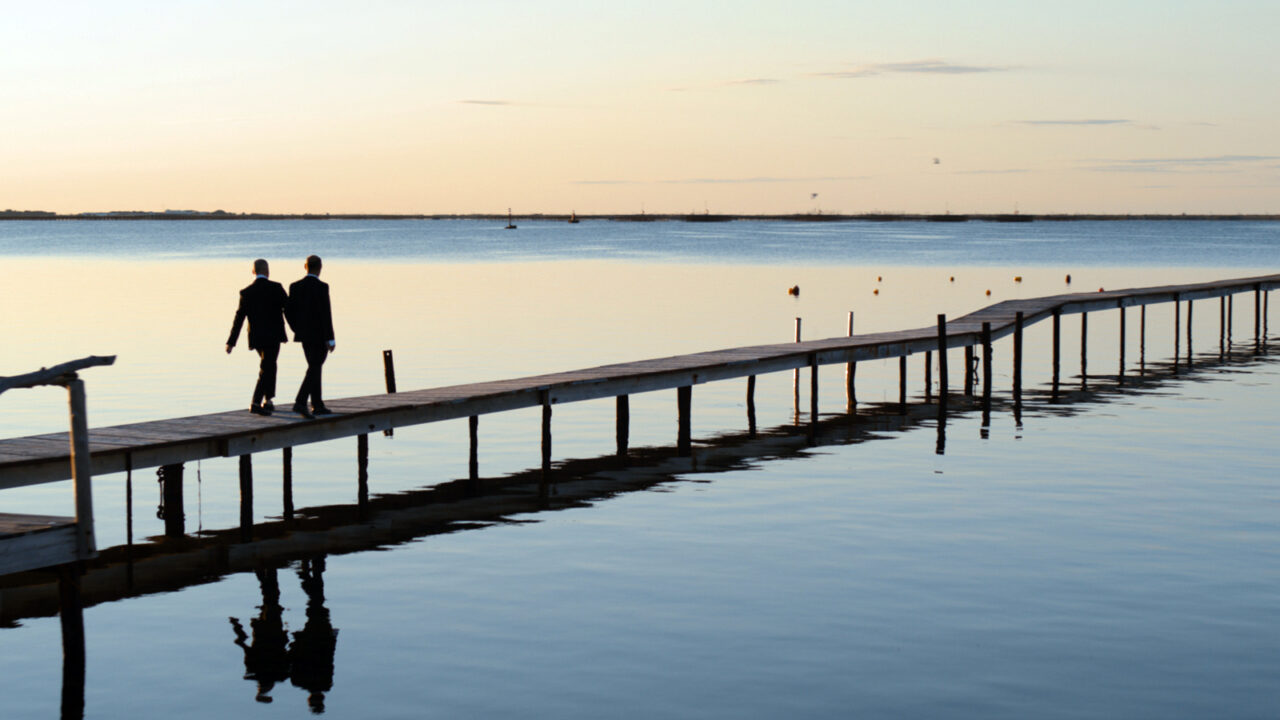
(313, 263)
(260, 266)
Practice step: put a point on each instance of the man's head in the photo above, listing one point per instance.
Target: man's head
(313, 264)
(260, 268)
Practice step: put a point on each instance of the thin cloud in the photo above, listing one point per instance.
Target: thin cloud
(926, 67)
(485, 102)
(1009, 171)
(1201, 164)
(755, 81)
(719, 181)
(1089, 121)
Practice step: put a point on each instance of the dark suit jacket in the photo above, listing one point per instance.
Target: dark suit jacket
(308, 311)
(263, 304)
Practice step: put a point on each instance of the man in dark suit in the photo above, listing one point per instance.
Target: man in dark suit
(312, 322)
(263, 304)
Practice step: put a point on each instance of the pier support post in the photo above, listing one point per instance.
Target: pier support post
(623, 425)
(1057, 349)
(473, 454)
(751, 405)
(1231, 314)
(71, 617)
(902, 382)
(928, 376)
(1142, 341)
(1084, 350)
(1017, 359)
(287, 484)
(1177, 331)
(986, 365)
(545, 485)
(171, 486)
(81, 473)
(813, 388)
(942, 362)
(850, 370)
(1123, 313)
(1222, 328)
(362, 472)
(1257, 314)
(795, 379)
(684, 439)
(1190, 308)
(246, 498)
(968, 371)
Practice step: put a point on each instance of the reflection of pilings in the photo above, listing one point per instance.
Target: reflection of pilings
(171, 507)
(246, 498)
(684, 403)
(287, 483)
(71, 612)
(942, 362)
(1084, 350)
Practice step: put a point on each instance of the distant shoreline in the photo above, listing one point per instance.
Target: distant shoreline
(633, 217)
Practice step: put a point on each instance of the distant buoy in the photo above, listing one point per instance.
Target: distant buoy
(1017, 278)
(878, 278)
(1101, 290)
(953, 278)
(988, 293)
(876, 291)
(1068, 279)
(794, 290)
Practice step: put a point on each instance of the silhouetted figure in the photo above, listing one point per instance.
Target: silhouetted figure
(310, 317)
(311, 654)
(262, 303)
(266, 657)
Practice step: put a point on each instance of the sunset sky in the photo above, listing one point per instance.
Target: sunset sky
(749, 106)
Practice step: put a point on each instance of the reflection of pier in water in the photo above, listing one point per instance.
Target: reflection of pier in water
(384, 520)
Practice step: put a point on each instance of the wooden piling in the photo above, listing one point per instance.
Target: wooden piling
(1190, 308)
(968, 370)
(246, 498)
(928, 376)
(174, 515)
(684, 439)
(1057, 349)
(795, 374)
(850, 370)
(813, 387)
(287, 482)
(902, 381)
(1142, 341)
(1257, 314)
(1177, 331)
(1222, 328)
(1017, 358)
(1123, 314)
(362, 472)
(751, 405)
(546, 437)
(1231, 314)
(81, 475)
(942, 362)
(473, 454)
(1084, 350)
(986, 365)
(389, 372)
(623, 425)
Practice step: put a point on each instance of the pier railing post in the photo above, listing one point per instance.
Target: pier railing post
(942, 361)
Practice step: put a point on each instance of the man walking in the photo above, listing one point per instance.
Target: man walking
(263, 304)
(312, 322)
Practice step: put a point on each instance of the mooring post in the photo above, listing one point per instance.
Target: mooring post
(986, 365)
(942, 362)
(246, 498)
(1123, 312)
(81, 474)
(1084, 350)
(171, 488)
(623, 425)
(684, 402)
(1177, 331)
(928, 376)
(1231, 314)
(751, 405)
(813, 387)
(287, 485)
(71, 617)
(1257, 314)
(902, 382)
(1142, 341)
(362, 471)
(389, 371)
(1017, 359)
(968, 370)
(1190, 306)
(850, 370)
(1057, 348)
(473, 455)
(1222, 327)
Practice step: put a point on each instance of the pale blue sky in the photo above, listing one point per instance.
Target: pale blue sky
(674, 106)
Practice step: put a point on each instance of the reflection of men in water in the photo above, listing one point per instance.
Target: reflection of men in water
(311, 654)
(266, 658)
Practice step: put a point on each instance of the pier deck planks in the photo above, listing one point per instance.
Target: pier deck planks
(46, 458)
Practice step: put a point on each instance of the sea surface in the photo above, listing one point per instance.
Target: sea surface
(1115, 553)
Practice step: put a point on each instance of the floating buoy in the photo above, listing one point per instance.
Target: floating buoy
(1101, 290)
(988, 293)
(876, 291)
(878, 278)
(1017, 278)
(794, 290)
(1068, 279)
(953, 278)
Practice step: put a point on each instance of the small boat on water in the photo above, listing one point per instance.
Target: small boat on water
(573, 218)
(510, 225)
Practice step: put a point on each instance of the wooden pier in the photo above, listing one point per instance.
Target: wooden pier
(46, 458)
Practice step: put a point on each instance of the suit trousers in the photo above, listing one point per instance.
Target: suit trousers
(315, 352)
(266, 387)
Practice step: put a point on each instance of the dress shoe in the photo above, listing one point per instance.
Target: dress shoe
(321, 410)
(268, 406)
(259, 410)
(302, 410)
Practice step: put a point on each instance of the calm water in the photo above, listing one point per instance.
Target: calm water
(1114, 555)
